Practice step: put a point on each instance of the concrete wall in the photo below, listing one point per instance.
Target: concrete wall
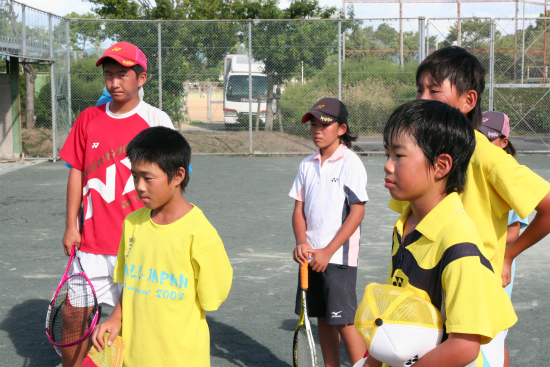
(6, 120)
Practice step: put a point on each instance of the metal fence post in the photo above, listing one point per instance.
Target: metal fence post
(68, 68)
(421, 39)
(53, 92)
(160, 65)
(401, 60)
(491, 64)
(523, 46)
(340, 60)
(23, 31)
(458, 25)
(208, 101)
(427, 50)
(250, 87)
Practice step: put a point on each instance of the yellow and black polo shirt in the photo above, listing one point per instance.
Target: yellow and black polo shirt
(444, 256)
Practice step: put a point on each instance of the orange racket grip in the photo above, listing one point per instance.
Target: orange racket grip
(304, 280)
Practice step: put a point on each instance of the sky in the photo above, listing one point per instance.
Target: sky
(437, 10)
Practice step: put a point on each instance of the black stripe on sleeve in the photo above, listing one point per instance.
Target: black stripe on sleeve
(430, 279)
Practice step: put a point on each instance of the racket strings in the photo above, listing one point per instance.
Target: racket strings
(303, 353)
(73, 311)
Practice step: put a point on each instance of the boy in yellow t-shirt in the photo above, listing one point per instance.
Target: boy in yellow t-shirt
(171, 262)
(436, 246)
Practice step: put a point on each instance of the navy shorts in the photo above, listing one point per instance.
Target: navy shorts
(331, 294)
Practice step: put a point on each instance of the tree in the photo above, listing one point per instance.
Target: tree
(84, 34)
(387, 35)
(117, 9)
(283, 46)
(475, 34)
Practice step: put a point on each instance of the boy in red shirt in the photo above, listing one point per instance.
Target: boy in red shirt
(100, 177)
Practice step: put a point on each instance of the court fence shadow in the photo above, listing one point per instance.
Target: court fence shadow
(25, 326)
(239, 349)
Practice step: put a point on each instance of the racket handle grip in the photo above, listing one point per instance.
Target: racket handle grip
(304, 280)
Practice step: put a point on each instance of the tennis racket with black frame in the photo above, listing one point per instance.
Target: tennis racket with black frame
(73, 311)
(304, 346)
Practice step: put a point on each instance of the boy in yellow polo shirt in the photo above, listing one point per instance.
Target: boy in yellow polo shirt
(436, 246)
(495, 182)
(171, 262)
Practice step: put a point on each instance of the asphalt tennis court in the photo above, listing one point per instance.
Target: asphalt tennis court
(246, 200)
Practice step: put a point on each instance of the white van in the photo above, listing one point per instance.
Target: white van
(236, 84)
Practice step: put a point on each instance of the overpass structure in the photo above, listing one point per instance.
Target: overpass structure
(31, 36)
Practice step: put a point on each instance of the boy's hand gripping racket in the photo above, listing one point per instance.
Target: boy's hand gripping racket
(304, 346)
(73, 310)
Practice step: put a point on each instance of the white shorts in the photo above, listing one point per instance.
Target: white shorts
(99, 269)
(493, 352)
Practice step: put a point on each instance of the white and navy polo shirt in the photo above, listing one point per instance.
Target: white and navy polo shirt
(328, 191)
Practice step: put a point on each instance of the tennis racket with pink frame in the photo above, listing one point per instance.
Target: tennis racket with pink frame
(73, 310)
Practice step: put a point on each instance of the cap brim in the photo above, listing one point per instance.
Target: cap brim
(118, 59)
(318, 114)
(307, 117)
(491, 134)
(100, 61)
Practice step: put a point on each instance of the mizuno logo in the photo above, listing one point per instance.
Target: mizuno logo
(95, 145)
(320, 106)
(412, 361)
(336, 314)
(116, 49)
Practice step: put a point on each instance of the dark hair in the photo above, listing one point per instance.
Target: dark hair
(165, 147)
(436, 128)
(463, 71)
(348, 137)
(510, 149)
(137, 68)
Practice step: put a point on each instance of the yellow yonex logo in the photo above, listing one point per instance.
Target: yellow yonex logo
(116, 49)
(323, 118)
(320, 106)
(126, 62)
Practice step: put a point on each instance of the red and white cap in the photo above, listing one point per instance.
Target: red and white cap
(125, 54)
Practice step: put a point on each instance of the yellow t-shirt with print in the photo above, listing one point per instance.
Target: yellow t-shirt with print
(445, 258)
(171, 275)
(495, 184)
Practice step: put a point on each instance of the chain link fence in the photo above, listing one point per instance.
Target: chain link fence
(514, 52)
(241, 87)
